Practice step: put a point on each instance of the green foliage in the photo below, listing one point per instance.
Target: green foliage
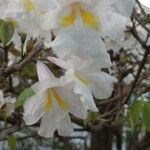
(134, 112)
(25, 94)
(91, 118)
(140, 113)
(146, 115)
(6, 32)
(29, 70)
(12, 142)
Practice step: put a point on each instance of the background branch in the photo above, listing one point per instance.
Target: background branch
(17, 66)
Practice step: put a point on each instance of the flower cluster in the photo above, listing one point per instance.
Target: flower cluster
(79, 27)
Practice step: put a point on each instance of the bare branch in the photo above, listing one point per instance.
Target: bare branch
(16, 67)
(8, 131)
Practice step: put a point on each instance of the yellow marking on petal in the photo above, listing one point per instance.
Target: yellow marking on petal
(89, 18)
(28, 5)
(69, 19)
(62, 103)
(84, 81)
(13, 22)
(48, 104)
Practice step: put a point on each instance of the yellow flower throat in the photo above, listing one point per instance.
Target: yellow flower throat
(28, 5)
(52, 94)
(88, 17)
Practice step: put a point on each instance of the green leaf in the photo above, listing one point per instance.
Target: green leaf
(29, 70)
(12, 142)
(134, 112)
(91, 117)
(146, 115)
(25, 94)
(6, 32)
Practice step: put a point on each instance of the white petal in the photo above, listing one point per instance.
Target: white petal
(86, 95)
(76, 107)
(8, 8)
(42, 86)
(50, 122)
(44, 6)
(78, 63)
(61, 63)
(34, 108)
(81, 41)
(121, 7)
(101, 84)
(64, 3)
(32, 24)
(48, 126)
(51, 19)
(111, 44)
(114, 16)
(94, 65)
(43, 71)
(115, 26)
(65, 126)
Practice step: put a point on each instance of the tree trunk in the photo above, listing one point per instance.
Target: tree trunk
(102, 139)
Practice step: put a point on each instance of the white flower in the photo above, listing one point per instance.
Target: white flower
(110, 44)
(88, 79)
(9, 102)
(52, 102)
(26, 16)
(108, 17)
(8, 7)
(81, 41)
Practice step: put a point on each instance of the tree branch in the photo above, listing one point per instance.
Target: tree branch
(16, 67)
(138, 73)
(6, 132)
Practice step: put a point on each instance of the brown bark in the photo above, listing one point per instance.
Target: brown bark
(102, 139)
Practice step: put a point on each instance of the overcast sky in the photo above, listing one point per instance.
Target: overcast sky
(145, 2)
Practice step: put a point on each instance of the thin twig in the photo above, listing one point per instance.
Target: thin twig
(6, 132)
(16, 67)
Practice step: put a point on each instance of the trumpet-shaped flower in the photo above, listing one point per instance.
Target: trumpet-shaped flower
(9, 102)
(88, 81)
(26, 16)
(53, 102)
(81, 41)
(108, 17)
